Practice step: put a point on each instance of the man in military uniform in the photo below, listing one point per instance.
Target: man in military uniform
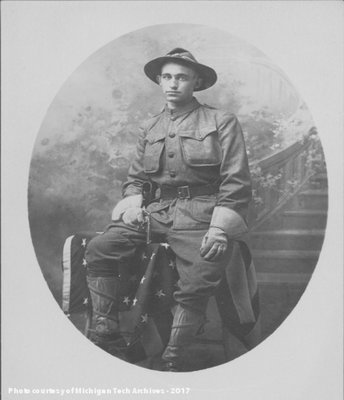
(195, 155)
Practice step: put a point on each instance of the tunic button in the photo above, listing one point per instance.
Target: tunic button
(173, 118)
(172, 174)
(172, 135)
(171, 155)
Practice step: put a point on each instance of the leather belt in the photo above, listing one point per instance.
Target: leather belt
(186, 192)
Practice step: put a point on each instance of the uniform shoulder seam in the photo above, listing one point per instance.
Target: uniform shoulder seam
(150, 122)
(210, 107)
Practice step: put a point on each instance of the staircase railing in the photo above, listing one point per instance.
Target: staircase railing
(279, 177)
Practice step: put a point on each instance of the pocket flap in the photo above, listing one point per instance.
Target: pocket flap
(199, 133)
(155, 135)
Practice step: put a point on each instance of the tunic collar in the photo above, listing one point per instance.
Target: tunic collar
(186, 109)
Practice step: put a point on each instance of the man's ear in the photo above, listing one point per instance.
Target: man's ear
(158, 79)
(198, 83)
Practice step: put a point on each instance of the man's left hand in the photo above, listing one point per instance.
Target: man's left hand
(214, 244)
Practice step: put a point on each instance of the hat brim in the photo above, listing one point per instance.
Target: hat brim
(208, 75)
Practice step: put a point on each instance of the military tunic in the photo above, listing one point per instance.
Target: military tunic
(196, 146)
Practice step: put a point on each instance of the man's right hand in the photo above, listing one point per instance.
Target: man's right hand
(124, 204)
(133, 216)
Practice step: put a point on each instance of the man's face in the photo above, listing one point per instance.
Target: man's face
(178, 83)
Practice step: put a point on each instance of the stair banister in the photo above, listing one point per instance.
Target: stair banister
(279, 177)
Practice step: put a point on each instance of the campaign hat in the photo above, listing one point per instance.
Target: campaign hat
(184, 57)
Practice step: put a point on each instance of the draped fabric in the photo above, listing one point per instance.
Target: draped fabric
(146, 295)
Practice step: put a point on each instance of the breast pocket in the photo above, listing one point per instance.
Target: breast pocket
(152, 154)
(201, 148)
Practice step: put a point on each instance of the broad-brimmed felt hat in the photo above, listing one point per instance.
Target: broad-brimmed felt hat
(184, 57)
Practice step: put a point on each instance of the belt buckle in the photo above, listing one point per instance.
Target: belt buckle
(183, 192)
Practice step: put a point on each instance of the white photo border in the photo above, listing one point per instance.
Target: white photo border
(42, 44)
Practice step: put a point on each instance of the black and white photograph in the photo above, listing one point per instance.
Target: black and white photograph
(178, 207)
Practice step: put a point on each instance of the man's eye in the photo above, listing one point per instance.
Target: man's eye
(182, 78)
(166, 77)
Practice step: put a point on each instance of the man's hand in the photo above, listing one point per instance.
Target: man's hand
(128, 202)
(133, 216)
(214, 244)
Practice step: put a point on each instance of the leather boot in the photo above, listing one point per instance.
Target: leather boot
(186, 324)
(106, 332)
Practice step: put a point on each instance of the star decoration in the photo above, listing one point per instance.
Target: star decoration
(126, 300)
(143, 279)
(172, 264)
(84, 263)
(85, 300)
(144, 257)
(134, 301)
(166, 245)
(144, 318)
(83, 244)
(160, 293)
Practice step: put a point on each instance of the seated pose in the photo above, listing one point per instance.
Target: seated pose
(194, 155)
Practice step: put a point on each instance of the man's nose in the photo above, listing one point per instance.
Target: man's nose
(174, 83)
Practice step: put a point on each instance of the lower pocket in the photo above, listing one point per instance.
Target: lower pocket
(195, 213)
(202, 208)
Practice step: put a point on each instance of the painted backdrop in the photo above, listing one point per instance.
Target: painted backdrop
(87, 139)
